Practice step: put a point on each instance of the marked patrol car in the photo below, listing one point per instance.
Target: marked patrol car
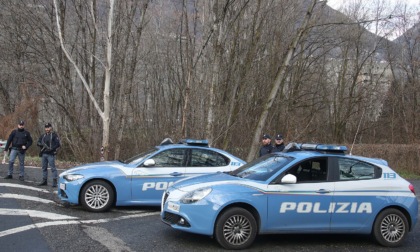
(141, 180)
(307, 188)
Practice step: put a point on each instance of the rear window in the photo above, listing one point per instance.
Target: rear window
(351, 169)
(207, 158)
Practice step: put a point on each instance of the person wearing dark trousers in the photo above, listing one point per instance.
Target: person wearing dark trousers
(18, 142)
(266, 147)
(49, 142)
(278, 143)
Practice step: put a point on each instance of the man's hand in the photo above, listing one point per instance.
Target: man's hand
(23, 147)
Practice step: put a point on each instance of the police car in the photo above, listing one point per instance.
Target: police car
(142, 179)
(307, 188)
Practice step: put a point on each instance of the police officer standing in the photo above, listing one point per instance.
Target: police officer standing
(19, 142)
(278, 143)
(49, 143)
(266, 147)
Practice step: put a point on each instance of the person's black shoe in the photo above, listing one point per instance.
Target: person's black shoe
(54, 184)
(21, 178)
(8, 177)
(43, 182)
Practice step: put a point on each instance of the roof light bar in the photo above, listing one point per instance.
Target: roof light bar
(329, 147)
(323, 147)
(315, 147)
(203, 142)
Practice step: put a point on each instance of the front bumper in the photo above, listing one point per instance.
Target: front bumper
(196, 218)
(68, 192)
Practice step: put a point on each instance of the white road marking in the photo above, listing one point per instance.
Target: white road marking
(32, 226)
(24, 187)
(24, 197)
(105, 238)
(70, 222)
(98, 234)
(37, 167)
(35, 214)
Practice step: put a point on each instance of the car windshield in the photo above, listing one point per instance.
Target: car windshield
(139, 157)
(262, 168)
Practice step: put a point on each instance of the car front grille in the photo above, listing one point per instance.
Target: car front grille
(63, 194)
(171, 218)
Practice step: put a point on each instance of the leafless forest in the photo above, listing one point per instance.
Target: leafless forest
(127, 74)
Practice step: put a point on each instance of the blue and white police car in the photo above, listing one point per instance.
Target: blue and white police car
(141, 180)
(308, 188)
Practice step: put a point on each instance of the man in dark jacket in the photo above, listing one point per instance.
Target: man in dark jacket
(278, 143)
(18, 142)
(266, 147)
(49, 143)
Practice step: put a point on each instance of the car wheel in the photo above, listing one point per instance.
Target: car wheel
(390, 227)
(236, 228)
(97, 196)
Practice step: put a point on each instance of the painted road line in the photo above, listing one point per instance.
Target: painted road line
(24, 197)
(24, 187)
(105, 238)
(38, 168)
(71, 222)
(35, 214)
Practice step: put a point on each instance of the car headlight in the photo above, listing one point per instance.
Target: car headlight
(73, 177)
(196, 195)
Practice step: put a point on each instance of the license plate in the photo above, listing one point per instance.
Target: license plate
(62, 186)
(173, 207)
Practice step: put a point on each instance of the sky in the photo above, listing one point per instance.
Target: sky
(391, 28)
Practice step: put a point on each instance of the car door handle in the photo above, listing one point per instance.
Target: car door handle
(176, 174)
(322, 191)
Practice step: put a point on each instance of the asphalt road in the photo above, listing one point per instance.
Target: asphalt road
(32, 219)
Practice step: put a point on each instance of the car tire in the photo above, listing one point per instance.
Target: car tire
(236, 228)
(390, 228)
(97, 196)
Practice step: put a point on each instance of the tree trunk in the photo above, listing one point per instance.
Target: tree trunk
(277, 82)
(105, 114)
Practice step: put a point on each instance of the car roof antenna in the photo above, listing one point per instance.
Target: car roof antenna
(357, 131)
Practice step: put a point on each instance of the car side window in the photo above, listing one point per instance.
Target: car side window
(170, 158)
(311, 170)
(351, 169)
(206, 158)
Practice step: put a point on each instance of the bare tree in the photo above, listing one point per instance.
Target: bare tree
(400, 118)
(278, 81)
(105, 112)
(222, 70)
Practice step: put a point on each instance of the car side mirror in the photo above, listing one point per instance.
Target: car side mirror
(149, 162)
(289, 179)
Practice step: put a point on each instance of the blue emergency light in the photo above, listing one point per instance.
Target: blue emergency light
(196, 142)
(315, 147)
